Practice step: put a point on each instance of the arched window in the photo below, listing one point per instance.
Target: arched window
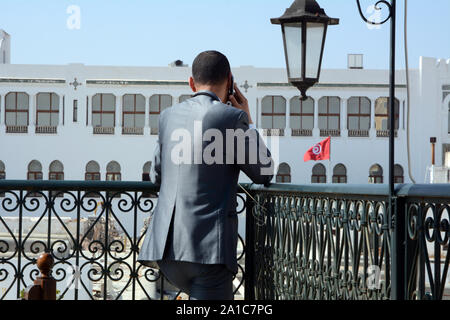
(104, 112)
(319, 174)
(34, 170)
(56, 171)
(358, 116)
(382, 114)
(47, 111)
(284, 173)
(184, 97)
(302, 116)
(113, 171)
(273, 112)
(398, 174)
(146, 171)
(16, 112)
(2, 171)
(330, 116)
(376, 174)
(340, 174)
(158, 103)
(92, 171)
(133, 114)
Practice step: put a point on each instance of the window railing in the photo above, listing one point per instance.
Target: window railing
(132, 131)
(302, 133)
(16, 129)
(385, 133)
(46, 129)
(103, 130)
(330, 132)
(273, 132)
(301, 242)
(358, 133)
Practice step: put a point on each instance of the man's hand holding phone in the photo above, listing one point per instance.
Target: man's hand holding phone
(239, 101)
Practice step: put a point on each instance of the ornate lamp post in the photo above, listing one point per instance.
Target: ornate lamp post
(396, 221)
(304, 26)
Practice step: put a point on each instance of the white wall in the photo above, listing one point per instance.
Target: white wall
(75, 144)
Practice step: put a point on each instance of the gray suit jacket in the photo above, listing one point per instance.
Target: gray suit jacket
(195, 218)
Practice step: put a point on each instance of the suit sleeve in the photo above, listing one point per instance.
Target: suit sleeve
(155, 169)
(258, 167)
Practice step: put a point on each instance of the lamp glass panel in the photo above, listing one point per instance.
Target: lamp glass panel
(293, 48)
(314, 40)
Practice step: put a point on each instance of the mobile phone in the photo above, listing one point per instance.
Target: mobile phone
(231, 90)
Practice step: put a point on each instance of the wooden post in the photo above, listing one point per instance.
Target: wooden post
(44, 287)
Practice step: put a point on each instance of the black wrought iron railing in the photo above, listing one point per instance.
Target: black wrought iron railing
(338, 242)
(93, 230)
(301, 242)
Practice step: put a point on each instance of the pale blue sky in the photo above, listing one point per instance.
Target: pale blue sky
(157, 32)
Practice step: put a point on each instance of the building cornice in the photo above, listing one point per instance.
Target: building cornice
(137, 82)
(32, 80)
(331, 85)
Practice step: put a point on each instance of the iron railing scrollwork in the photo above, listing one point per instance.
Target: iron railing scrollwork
(301, 242)
(336, 242)
(93, 230)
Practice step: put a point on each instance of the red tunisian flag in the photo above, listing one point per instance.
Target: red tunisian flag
(320, 151)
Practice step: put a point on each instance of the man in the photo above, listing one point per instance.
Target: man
(194, 230)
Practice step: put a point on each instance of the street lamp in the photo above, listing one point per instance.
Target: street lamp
(304, 27)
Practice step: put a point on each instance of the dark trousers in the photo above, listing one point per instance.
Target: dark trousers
(199, 281)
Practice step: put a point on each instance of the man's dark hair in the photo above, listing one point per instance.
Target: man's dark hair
(210, 68)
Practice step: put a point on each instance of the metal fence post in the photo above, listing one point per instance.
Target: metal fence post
(398, 244)
(249, 249)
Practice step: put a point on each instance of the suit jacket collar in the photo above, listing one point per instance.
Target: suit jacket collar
(208, 93)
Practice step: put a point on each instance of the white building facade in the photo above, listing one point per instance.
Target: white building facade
(77, 122)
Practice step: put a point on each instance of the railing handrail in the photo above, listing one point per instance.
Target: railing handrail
(77, 185)
(402, 190)
(440, 191)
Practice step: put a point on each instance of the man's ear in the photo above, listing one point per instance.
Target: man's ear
(192, 84)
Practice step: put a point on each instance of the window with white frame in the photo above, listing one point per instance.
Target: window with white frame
(329, 113)
(113, 171)
(284, 173)
(302, 114)
(382, 110)
(92, 171)
(273, 112)
(47, 109)
(358, 113)
(158, 103)
(34, 170)
(133, 111)
(17, 109)
(103, 110)
(376, 174)
(56, 171)
(319, 174)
